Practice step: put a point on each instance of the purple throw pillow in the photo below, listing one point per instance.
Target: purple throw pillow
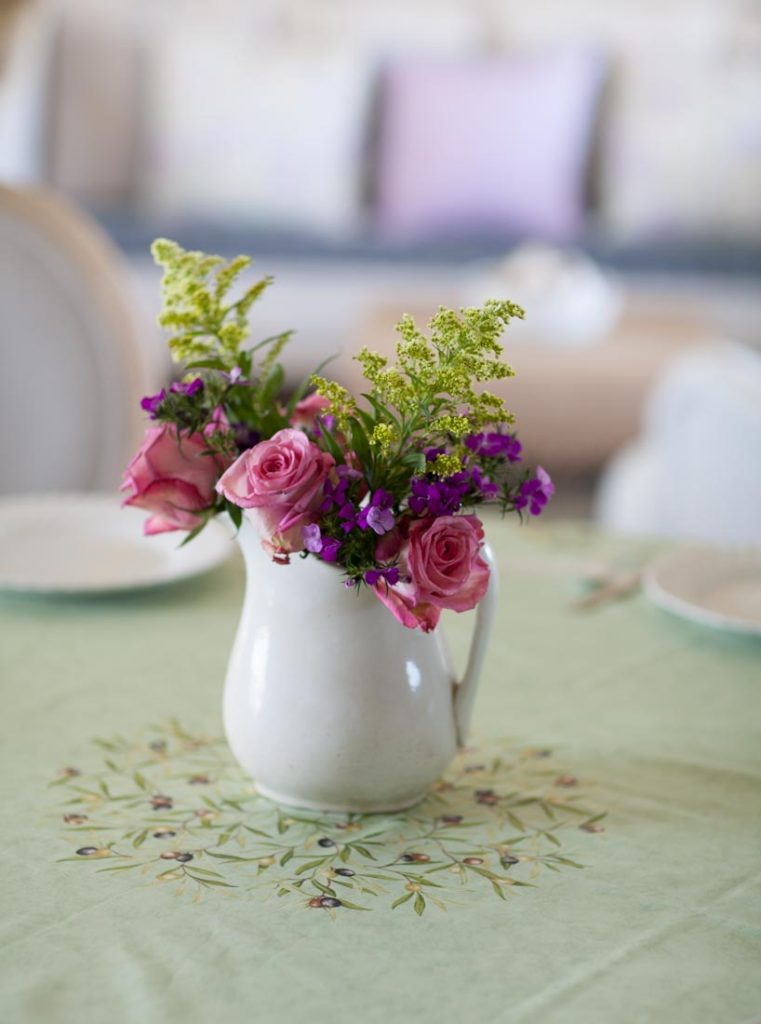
(486, 146)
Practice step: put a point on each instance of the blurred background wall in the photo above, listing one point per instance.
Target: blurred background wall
(599, 162)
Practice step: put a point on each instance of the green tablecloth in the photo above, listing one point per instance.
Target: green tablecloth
(652, 719)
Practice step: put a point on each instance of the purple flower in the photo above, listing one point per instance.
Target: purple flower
(312, 538)
(234, 375)
(335, 493)
(324, 424)
(495, 446)
(377, 515)
(431, 454)
(151, 403)
(535, 492)
(390, 575)
(380, 520)
(325, 547)
(438, 497)
(349, 515)
(192, 387)
(330, 549)
(482, 483)
(245, 437)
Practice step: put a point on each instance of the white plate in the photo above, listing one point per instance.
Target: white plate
(716, 587)
(87, 543)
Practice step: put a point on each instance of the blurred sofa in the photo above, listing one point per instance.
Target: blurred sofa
(382, 157)
(437, 131)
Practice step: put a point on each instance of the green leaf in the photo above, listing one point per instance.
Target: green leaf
(515, 821)
(352, 906)
(140, 781)
(324, 888)
(212, 881)
(565, 860)
(286, 857)
(310, 865)
(206, 364)
(235, 513)
(597, 817)
(257, 832)
(231, 856)
(419, 904)
(359, 441)
(140, 838)
(363, 850)
(332, 445)
(402, 899)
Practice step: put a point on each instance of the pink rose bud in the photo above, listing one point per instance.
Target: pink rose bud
(306, 411)
(172, 476)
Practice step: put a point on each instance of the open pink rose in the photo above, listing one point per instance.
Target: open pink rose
(281, 482)
(441, 567)
(172, 476)
(306, 411)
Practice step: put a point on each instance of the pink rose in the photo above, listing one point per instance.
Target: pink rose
(306, 411)
(172, 476)
(441, 563)
(281, 482)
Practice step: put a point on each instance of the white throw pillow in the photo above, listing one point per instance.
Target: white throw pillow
(240, 134)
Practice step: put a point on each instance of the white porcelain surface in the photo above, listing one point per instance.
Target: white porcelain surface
(329, 702)
(88, 543)
(716, 587)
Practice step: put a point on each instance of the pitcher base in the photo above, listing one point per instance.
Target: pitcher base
(351, 807)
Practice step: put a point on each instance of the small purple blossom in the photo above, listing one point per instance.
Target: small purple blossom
(439, 497)
(377, 515)
(535, 492)
(192, 387)
(482, 483)
(431, 454)
(235, 375)
(330, 548)
(312, 538)
(334, 493)
(495, 446)
(326, 547)
(245, 437)
(348, 513)
(324, 424)
(390, 575)
(380, 520)
(151, 403)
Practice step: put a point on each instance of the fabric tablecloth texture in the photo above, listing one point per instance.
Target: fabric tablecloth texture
(651, 912)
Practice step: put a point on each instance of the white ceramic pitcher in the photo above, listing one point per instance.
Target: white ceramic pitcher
(330, 703)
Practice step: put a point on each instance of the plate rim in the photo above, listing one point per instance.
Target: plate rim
(214, 557)
(666, 599)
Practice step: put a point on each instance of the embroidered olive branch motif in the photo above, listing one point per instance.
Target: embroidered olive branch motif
(173, 807)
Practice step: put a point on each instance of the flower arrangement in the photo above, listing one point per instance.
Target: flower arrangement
(384, 486)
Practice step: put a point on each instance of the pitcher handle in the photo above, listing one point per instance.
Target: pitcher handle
(465, 691)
